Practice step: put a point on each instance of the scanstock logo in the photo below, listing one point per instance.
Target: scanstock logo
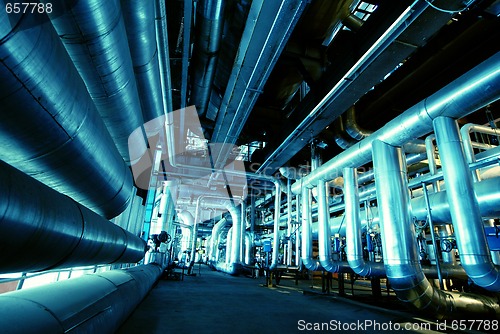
(176, 150)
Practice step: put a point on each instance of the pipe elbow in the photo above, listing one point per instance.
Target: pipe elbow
(310, 264)
(484, 274)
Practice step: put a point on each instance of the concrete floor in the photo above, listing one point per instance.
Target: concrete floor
(213, 302)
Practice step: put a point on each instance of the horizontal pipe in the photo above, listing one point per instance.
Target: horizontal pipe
(470, 92)
(41, 229)
(139, 19)
(49, 126)
(61, 307)
(94, 35)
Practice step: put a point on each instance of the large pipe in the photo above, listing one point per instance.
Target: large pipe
(401, 258)
(61, 307)
(464, 208)
(93, 33)
(41, 229)
(188, 219)
(354, 247)
(49, 127)
(324, 234)
(473, 90)
(235, 212)
(307, 237)
(209, 23)
(139, 19)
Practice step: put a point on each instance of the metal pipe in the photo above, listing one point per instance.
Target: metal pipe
(433, 236)
(235, 212)
(216, 231)
(307, 238)
(93, 32)
(57, 136)
(401, 258)
(467, 143)
(41, 229)
(276, 227)
(431, 158)
(139, 19)
(61, 307)
(268, 27)
(464, 208)
(189, 220)
(354, 246)
(209, 23)
(473, 90)
(163, 55)
(248, 248)
(324, 234)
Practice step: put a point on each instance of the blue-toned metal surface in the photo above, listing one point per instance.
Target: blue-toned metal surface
(42, 229)
(49, 126)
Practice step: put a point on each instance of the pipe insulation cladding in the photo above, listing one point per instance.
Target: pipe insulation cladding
(49, 126)
(61, 307)
(41, 229)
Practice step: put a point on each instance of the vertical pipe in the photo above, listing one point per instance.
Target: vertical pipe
(324, 233)
(307, 238)
(289, 244)
(297, 230)
(430, 148)
(433, 236)
(354, 247)
(401, 258)
(235, 212)
(276, 233)
(464, 207)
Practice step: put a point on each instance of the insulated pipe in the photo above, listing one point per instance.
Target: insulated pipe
(470, 92)
(189, 220)
(209, 23)
(464, 208)
(467, 143)
(354, 247)
(431, 158)
(235, 212)
(41, 229)
(324, 234)
(94, 35)
(248, 248)
(61, 307)
(139, 19)
(401, 258)
(49, 126)
(298, 216)
(163, 55)
(229, 245)
(276, 226)
(307, 237)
